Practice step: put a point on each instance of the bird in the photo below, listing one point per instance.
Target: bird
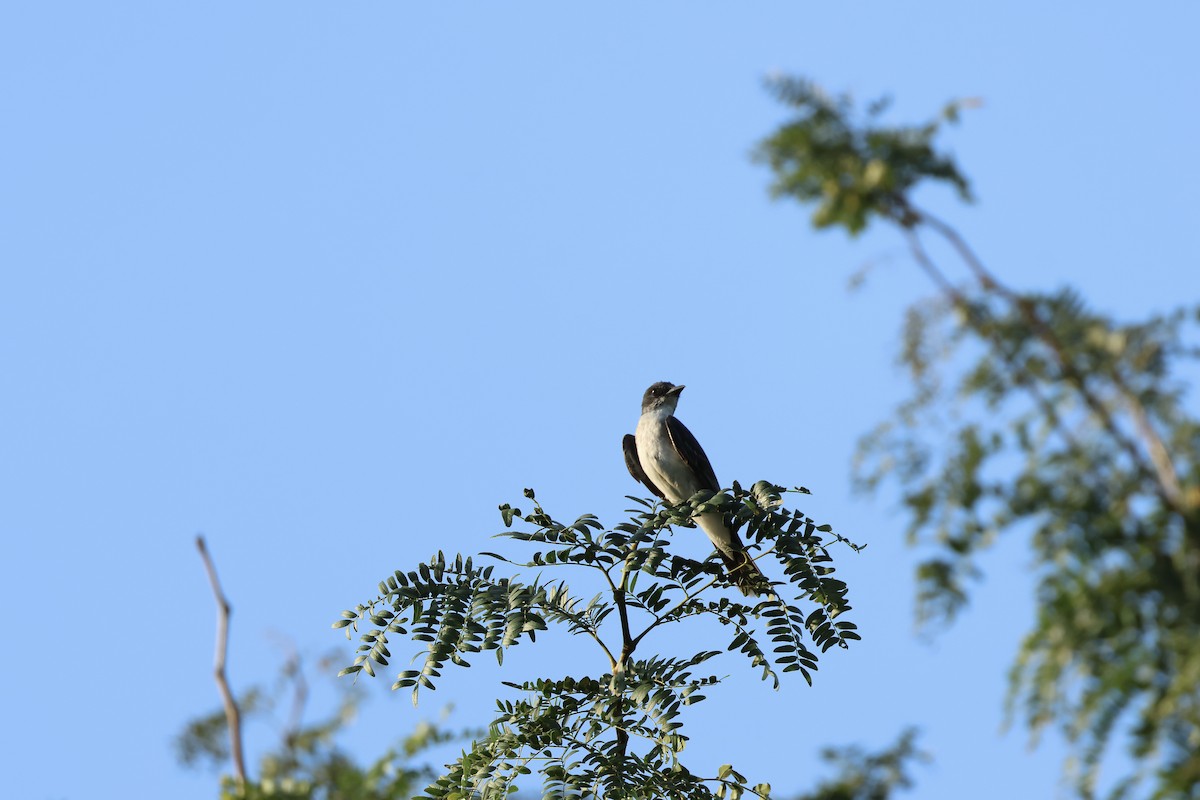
(665, 456)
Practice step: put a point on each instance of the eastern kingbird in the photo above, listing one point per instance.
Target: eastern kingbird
(665, 456)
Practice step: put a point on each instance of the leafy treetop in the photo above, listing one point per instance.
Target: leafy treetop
(617, 733)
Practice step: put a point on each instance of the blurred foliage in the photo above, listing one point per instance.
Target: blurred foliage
(618, 733)
(308, 763)
(1034, 415)
(869, 776)
(853, 169)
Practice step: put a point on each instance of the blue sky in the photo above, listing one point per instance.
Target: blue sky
(327, 283)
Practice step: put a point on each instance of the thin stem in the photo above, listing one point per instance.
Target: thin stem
(619, 599)
(973, 262)
(931, 269)
(233, 717)
(611, 660)
(687, 597)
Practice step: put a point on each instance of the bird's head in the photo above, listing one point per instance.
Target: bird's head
(661, 395)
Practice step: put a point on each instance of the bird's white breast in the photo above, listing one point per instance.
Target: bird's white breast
(660, 462)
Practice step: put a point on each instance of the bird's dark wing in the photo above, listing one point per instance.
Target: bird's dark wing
(634, 465)
(692, 454)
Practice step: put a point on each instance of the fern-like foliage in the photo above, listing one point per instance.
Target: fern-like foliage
(618, 734)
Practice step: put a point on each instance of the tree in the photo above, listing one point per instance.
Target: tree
(1071, 426)
(307, 763)
(617, 734)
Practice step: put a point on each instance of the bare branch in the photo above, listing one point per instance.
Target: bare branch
(233, 717)
(1160, 468)
(936, 275)
(925, 261)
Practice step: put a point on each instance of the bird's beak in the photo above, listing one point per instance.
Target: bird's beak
(676, 389)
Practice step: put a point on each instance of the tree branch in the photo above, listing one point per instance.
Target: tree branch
(687, 598)
(233, 717)
(1160, 468)
(1047, 408)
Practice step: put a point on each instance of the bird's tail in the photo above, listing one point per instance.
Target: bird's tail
(742, 570)
(744, 573)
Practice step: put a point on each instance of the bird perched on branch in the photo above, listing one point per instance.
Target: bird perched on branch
(665, 456)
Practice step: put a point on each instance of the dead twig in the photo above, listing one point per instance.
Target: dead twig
(233, 716)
